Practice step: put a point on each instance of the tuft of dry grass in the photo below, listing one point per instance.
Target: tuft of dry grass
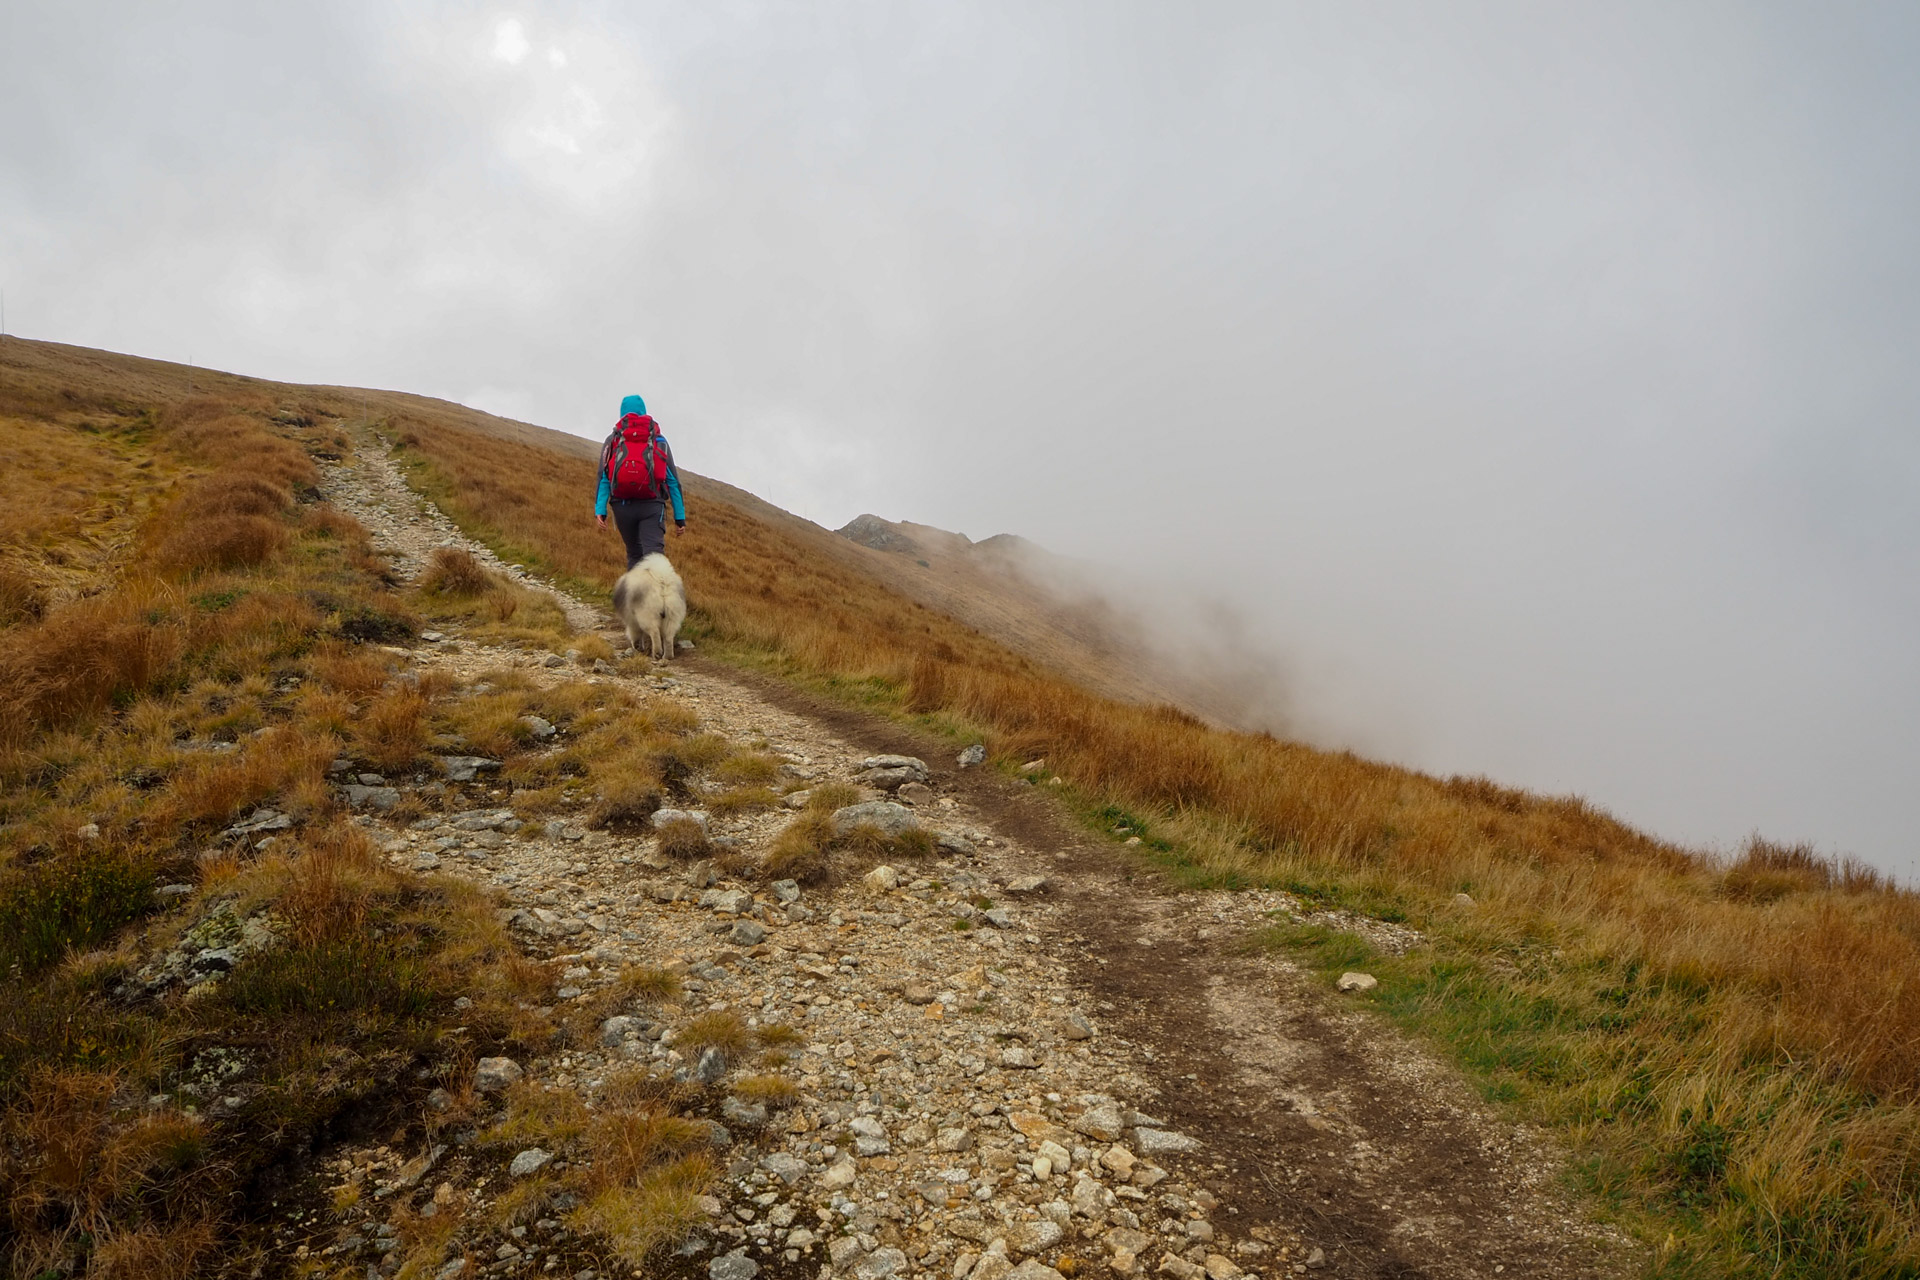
(683, 838)
(455, 572)
(775, 1091)
(391, 733)
(722, 1029)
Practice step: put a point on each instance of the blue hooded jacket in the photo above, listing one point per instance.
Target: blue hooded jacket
(634, 404)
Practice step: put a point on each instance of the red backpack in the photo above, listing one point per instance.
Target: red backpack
(637, 460)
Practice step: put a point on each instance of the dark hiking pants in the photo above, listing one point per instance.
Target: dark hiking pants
(643, 526)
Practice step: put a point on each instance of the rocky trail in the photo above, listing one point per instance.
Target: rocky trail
(1020, 1057)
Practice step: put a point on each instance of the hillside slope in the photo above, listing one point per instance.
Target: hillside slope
(1729, 1049)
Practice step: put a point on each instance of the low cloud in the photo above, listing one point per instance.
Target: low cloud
(1533, 385)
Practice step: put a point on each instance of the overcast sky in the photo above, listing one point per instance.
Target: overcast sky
(1539, 380)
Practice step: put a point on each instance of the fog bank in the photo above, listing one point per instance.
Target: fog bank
(1536, 384)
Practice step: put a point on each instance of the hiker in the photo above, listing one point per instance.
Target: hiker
(637, 480)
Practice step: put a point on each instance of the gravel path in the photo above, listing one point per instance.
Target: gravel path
(1081, 1077)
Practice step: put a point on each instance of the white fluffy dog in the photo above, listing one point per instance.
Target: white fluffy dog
(651, 602)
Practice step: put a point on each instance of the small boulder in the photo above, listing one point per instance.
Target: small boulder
(1156, 1142)
(365, 797)
(529, 1162)
(465, 768)
(733, 1266)
(882, 879)
(539, 727)
(747, 1115)
(1074, 1026)
(788, 1168)
(785, 892)
(888, 818)
(973, 755)
(494, 1074)
(747, 933)
(619, 1028)
(958, 845)
(1028, 884)
(1104, 1123)
(1357, 982)
(915, 793)
(698, 817)
(711, 1068)
(911, 764)
(1034, 1237)
(882, 1264)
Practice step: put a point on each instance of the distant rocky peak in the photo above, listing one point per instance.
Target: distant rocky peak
(881, 535)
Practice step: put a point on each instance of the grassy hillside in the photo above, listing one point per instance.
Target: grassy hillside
(1733, 1051)
(190, 632)
(1729, 1050)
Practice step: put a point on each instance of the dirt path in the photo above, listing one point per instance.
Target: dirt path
(1085, 1077)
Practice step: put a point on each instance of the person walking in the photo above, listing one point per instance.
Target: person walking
(637, 482)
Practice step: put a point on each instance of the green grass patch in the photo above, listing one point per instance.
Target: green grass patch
(70, 904)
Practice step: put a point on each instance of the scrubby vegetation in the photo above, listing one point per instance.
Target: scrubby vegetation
(188, 633)
(1728, 1046)
(1732, 1050)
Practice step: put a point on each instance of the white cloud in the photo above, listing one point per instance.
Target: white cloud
(510, 41)
(556, 57)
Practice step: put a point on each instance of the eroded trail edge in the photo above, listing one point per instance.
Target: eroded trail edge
(1021, 1056)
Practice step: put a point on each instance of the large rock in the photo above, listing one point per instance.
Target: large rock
(712, 1067)
(1034, 1237)
(914, 763)
(788, 1168)
(621, 1027)
(494, 1074)
(888, 818)
(748, 1115)
(733, 1266)
(881, 1264)
(698, 817)
(1155, 1142)
(887, 779)
(466, 768)
(1034, 1269)
(1106, 1123)
(869, 1136)
(529, 1162)
(381, 798)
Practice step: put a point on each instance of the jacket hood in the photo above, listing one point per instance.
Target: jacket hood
(633, 404)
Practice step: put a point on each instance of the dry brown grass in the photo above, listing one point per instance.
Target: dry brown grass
(391, 733)
(1810, 971)
(723, 1030)
(455, 572)
(775, 1091)
(170, 579)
